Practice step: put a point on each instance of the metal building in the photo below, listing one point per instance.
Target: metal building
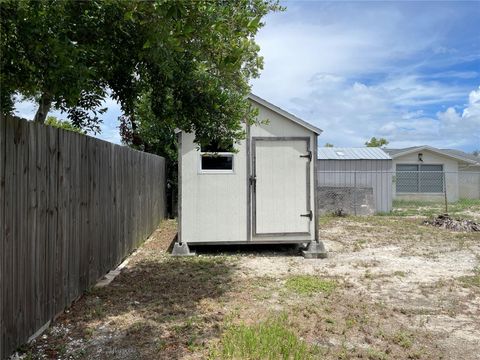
(264, 192)
(357, 180)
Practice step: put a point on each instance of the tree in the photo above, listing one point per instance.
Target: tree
(328, 145)
(193, 58)
(63, 124)
(374, 142)
(476, 152)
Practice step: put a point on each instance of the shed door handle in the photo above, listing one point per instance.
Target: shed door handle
(308, 156)
(309, 215)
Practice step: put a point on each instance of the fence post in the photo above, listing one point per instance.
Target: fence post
(445, 191)
(355, 193)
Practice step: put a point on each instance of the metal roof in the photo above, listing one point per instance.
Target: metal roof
(285, 114)
(365, 153)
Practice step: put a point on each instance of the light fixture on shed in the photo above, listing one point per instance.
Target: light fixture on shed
(420, 157)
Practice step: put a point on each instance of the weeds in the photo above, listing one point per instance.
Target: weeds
(471, 280)
(309, 285)
(271, 339)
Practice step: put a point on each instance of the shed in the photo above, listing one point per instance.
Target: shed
(263, 192)
(358, 180)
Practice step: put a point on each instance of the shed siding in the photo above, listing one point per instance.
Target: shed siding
(214, 206)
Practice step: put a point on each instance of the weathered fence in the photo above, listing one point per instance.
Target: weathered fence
(71, 208)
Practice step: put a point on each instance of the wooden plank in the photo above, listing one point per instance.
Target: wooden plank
(9, 329)
(83, 231)
(31, 226)
(74, 211)
(2, 232)
(52, 217)
(20, 232)
(61, 265)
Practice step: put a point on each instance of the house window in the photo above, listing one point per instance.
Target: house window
(421, 178)
(216, 158)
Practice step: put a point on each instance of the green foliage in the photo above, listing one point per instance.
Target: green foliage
(194, 59)
(272, 339)
(328, 145)
(63, 124)
(309, 285)
(374, 142)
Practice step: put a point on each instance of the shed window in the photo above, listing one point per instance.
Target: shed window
(216, 158)
(420, 178)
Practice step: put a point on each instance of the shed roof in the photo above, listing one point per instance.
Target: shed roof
(285, 114)
(365, 153)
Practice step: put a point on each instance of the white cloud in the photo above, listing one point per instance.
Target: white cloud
(384, 69)
(465, 124)
(352, 112)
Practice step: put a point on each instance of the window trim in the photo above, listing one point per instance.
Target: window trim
(419, 171)
(216, 171)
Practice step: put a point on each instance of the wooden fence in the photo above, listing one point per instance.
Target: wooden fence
(71, 208)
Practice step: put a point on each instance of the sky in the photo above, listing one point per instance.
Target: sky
(407, 71)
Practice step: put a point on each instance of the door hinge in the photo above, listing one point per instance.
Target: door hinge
(309, 215)
(309, 156)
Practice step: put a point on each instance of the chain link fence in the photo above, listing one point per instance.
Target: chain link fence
(373, 192)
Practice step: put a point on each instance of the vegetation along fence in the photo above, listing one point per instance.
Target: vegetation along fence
(71, 208)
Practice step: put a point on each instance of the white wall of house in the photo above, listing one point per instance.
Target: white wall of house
(450, 167)
(469, 182)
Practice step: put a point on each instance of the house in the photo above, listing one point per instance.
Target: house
(427, 173)
(259, 191)
(357, 180)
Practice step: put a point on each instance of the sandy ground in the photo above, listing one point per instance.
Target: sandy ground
(405, 290)
(418, 280)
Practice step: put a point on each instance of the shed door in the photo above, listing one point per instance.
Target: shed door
(281, 199)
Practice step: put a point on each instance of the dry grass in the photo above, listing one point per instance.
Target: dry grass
(388, 291)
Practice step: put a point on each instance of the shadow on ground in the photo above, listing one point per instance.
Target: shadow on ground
(159, 308)
(250, 250)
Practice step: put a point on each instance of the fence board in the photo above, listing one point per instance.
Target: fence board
(2, 232)
(71, 208)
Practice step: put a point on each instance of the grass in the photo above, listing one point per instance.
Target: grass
(271, 339)
(425, 208)
(471, 280)
(309, 285)
(404, 339)
(374, 354)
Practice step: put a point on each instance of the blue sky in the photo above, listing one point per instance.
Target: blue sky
(408, 71)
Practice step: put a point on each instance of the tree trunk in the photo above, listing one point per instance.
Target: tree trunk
(44, 105)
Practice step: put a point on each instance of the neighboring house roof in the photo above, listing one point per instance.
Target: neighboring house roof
(463, 154)
(366, 153)
(285, 114)
(454, 154)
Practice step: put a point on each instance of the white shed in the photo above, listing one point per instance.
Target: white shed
(264, 192)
